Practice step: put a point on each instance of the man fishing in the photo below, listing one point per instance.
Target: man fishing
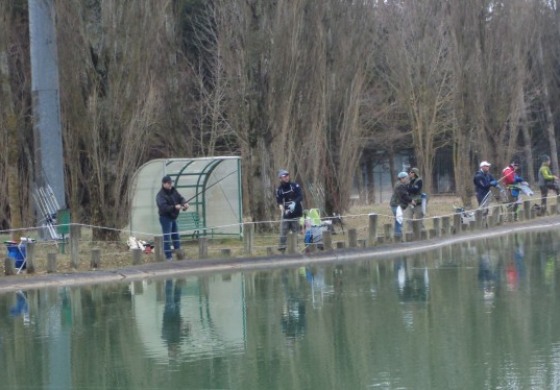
(170, 202)
(483, 181)
(546, 181)
(288, 198)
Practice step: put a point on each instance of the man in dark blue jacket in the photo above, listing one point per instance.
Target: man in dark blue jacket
(483, 181)
(288, 198)
(170, 203)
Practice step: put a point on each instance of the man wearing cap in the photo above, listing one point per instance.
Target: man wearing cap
(546, 181)
(169, 203)
(288, 197)
(483, 181)
(400, 198)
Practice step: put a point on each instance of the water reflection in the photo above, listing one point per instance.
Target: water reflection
(418, 322)
(487, 277)
(21, 307)
(413, 283)
(174, 329)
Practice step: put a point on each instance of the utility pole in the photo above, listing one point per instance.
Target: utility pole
(49, 155)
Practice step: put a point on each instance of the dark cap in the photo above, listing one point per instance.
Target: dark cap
(167, 179)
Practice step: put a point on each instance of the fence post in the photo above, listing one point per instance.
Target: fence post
(95, 258)
(158, 244)
(226, 252)
(478, 218)
(527, 210)
(372, 231)
(30, 258)
(203, 247)
(417, 229)
(446, 225)
(136, 256)
(437, 226)
(352, 238)
(387, 228)
(75, 232)
(9, 267)
(51, 262)
(457, 223)
(248, 229)
(327, 240)
(292, 242)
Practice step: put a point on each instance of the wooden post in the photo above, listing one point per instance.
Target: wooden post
(248, 229)
(387, 229)
(292, 242)
(372, 231)
(527, 209)
(478, 218)
(416, 229)
(136, 256)
(457, 223)
(269, 251)
(95, 258)
(493, 217)
(327, 240)
(352, 238)
(30, 258)
(51, 262)
(9, 266)
(446, 225)
(534, 212)
(437, 226)
(158, 245)
(203, 247)
(557, 208)
(226, 252)
(75, 233)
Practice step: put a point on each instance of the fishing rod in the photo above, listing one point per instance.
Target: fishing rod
(210, 186)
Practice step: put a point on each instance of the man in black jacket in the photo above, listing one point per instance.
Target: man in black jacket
(288, 198)
(170, 203)
(483, 180)
(401, 198)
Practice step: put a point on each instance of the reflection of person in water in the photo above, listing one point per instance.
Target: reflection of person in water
(413, 285)
(173, 329)
(486, 276)
(515, 269)
(293, 310)
(21, 308)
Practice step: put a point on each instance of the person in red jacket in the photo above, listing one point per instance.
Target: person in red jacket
(511, 179)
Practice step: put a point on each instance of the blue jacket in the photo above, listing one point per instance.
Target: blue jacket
(482, 183)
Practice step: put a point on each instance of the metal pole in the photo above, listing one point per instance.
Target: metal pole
(46, 100)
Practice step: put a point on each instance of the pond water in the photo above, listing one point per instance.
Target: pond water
(483, 315)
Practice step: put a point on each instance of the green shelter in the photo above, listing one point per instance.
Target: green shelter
(213, 185)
